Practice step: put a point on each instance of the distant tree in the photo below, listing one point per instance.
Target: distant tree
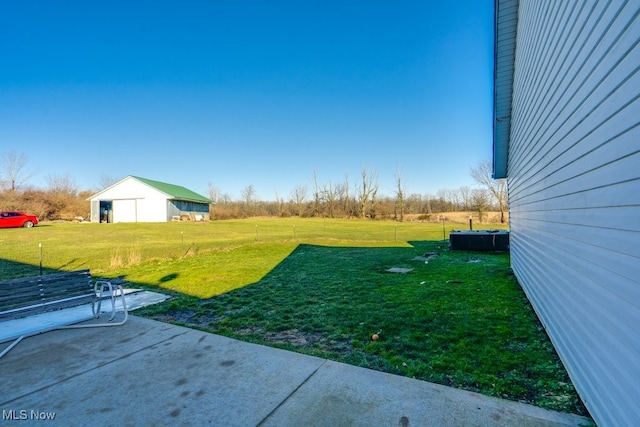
(297, 197)
(62, 184)
(339, 192)
(317, 194)
(449, 199)
(413, 203)
(249, 198)
(427, 204)
(106, 181)
(482, 173)
(480, 201)
(330, 196)
(400, 195)
(214, 193)
(367, 191)
(13, 170)
(36, 202)
(346, 204)
(225, 198)
(279, 205)
(249, 194)
(465, 196)
(454, 200)
(62, 199)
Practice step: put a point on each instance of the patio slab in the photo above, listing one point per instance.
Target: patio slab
(151, 373)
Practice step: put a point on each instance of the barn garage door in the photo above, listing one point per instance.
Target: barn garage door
(125, 210)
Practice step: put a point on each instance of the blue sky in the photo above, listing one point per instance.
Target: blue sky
(239, 93)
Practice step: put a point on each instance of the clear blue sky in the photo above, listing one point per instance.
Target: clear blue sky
(238, 93)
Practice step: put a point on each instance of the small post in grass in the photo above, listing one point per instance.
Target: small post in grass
(470, 223)
(40, 256)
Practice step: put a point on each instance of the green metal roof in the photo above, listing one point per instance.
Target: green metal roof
(174, 191)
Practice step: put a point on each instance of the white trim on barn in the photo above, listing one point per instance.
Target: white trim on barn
(573, 169)
(135, 199)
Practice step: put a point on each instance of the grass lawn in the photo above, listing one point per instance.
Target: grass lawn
(323, 288)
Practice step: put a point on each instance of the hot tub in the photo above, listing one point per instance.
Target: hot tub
(479, 240)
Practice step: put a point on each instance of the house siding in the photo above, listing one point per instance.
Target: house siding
(574, 191)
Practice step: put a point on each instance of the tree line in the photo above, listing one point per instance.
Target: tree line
(360, 198)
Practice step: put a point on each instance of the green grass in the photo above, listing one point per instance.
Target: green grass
(199, 259)
(459, 319)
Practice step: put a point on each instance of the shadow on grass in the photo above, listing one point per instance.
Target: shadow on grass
(12, 269)
(456, 318)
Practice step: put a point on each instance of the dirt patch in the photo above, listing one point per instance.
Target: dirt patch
(185, 316)
(250, 330)
(427, 257)
(298, 338)
(294, 337)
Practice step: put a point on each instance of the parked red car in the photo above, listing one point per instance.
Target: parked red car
(17, 219)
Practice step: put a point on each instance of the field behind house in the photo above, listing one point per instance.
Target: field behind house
(324, 287)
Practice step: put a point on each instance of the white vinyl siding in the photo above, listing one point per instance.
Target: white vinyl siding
(574, 191)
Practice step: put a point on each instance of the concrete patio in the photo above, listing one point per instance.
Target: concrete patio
(151, 373)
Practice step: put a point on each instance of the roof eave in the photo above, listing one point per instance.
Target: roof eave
(506, 23)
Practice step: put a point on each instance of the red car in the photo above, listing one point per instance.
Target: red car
(17, 219)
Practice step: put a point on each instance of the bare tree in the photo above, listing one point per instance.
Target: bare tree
(339, 192)
(482, 174)
(330, 196)
(317, 194)
(248, 194)
(225, 198)
(443, 196)
(465, 196)
(106, 181)
(480, 201)
(346, 203)
(279, 204)
(427, 204)
(13, 172)
(249, 197)
(62, 184)
(298, 196)
(214, 193)
(400, 195)
(367, 190)
(413, 203)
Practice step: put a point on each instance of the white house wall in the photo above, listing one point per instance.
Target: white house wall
(574, 191)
